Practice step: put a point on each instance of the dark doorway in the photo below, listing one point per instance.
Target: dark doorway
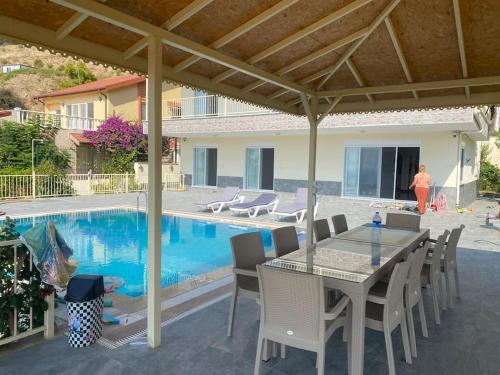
(267, 169)
(211, 166)
(406, 168)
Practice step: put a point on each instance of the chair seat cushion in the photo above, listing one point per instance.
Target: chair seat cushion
(248, 283)
(374, 311)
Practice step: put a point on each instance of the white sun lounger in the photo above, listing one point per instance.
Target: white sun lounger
(297, 209)
(267, 201)
(231, 195)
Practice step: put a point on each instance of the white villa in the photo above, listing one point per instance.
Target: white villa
(372, 155)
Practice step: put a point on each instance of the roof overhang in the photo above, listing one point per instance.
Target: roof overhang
(354, 56)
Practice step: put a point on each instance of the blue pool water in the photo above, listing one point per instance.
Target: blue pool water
(114, 243)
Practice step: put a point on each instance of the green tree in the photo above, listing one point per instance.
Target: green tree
(489, 174)
(77, 75)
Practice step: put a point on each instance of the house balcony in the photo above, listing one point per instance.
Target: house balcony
(55, 119)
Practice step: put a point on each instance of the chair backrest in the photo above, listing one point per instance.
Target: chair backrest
(301, 196)
(394, 308)
(285, 240)
(414, 287)
(321, 229)
(437, 253)
(264, 199)
(450, 253)
(291, 304)
(402, 221)
(248, 250)
(339, 224)
(230, 193)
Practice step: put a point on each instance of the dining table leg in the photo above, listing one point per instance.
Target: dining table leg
(357, 337)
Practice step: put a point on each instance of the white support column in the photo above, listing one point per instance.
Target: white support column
(154, 190)
(312, 115)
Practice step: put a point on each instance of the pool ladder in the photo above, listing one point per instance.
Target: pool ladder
(139, 197)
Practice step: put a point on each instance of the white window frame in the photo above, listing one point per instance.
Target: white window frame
(259, 146)
(79, 120)
(378, 143)
(205, 147)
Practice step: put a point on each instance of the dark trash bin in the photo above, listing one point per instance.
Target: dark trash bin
(84, 297)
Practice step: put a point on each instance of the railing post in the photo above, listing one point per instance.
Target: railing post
(89, 182)
(17, 110)
(126, 182)
(33, 184)
(48, 317)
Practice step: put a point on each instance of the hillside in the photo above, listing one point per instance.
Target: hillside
(18, 90)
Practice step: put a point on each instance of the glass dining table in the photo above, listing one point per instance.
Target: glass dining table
(353, 262)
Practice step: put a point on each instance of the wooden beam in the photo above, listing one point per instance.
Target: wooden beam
(329, 108)
(461, 46)
(299, 35)
(136, 25)
(313, 56)
(406, 87)
(357, 77)
(328, 72)
(170, 24)
(399, 51)
(244, 28)
(14, 29)
(71, 24)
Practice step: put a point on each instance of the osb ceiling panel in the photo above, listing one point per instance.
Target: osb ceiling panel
(220, 17)
(334, 32)
(377, 60)
(482, 42)
(49, 15)
(342, 79)
(426, 30)
(284, 24)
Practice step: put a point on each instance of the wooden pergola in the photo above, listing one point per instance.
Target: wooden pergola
(303, 57)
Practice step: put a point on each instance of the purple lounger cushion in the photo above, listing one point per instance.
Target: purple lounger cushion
(299, 204)
(262, 200)
(228, 195)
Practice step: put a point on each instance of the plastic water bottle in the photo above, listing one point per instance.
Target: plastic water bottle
(375, 239)
(377, 220)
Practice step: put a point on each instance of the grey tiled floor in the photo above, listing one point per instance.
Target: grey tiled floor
(466, 343)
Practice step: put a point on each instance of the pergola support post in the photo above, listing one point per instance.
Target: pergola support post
(154, 190)
(311, 109)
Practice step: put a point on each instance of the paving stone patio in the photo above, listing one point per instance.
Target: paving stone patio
(465, 343)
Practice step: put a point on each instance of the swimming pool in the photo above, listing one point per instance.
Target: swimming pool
(114, 243)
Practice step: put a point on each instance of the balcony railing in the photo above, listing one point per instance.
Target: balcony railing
(206, 107)
(54, 119)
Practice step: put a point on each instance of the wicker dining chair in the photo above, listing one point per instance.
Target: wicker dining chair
(413, 296)
(339, 224)
(402, 221)
(449, 263)
(385, 311)
(293, 313)
(431, 275)
(248, 251)
(321, 229)
(285, 240)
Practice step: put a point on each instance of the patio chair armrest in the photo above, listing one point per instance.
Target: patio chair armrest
(244, 272)
(334, 312)
(379, 300)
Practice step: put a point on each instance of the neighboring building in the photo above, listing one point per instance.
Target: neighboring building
(372, 156)
(84, 107)
(7, 68)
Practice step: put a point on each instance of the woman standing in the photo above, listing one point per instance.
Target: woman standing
(421, 182)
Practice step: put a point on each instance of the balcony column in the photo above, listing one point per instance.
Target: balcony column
(154, 191)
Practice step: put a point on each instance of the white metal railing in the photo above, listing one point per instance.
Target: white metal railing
(54, 119)
(207, 106)
(21, 329)
(39, 186)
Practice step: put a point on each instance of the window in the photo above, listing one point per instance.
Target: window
(205, 166)
(259, 168)
(380, 172)
(80, 115)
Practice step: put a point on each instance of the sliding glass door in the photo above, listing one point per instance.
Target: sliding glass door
(378, 172)
(259, 168)
(205, 167)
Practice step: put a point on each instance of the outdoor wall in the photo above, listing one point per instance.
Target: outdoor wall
(438, 151)
(123, 102)
(61, 102)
